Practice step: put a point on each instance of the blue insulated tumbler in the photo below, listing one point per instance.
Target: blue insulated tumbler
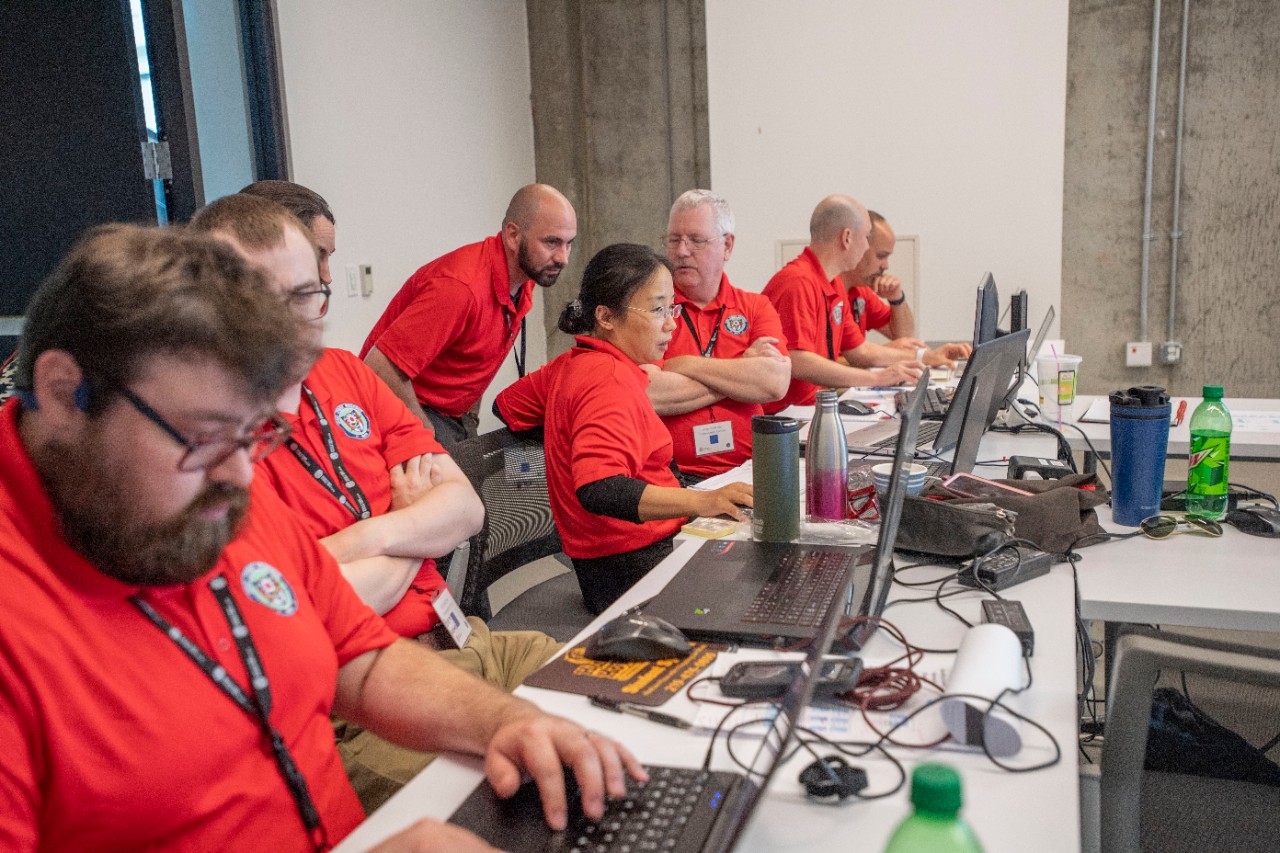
(1139, 439)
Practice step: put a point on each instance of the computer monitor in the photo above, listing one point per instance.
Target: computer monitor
(986, 311)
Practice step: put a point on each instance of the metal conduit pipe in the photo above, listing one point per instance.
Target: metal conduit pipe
(1175, 232)
(1146, 193)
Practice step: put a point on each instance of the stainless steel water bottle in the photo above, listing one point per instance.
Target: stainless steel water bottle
(826, 462)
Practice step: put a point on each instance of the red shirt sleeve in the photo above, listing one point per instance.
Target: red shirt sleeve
(601, 416)
(523, 404)
(802, 313)
(437, 316)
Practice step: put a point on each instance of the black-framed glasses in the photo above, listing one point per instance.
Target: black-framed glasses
(662, 315)
(696, 244)
(303, 302)
(1164, 526)
(206, 452)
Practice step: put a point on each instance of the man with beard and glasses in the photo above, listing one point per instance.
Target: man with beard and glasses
(172, 639)
(445, 334)
(371, 484)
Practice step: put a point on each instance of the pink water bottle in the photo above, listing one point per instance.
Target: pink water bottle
(826, 461)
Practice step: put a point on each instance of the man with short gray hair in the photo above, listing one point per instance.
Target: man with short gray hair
(727, 355)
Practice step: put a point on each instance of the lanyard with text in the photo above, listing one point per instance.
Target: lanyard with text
(258, 706)
(715, 334)
(361, 507)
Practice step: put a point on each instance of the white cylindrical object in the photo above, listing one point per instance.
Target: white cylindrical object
(988, 662)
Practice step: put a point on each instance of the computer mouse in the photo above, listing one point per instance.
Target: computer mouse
(635, 636)
(854, 407)
(1256, 520)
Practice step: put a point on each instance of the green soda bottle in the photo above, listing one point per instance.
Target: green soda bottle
(936, 826)
(1210, 453)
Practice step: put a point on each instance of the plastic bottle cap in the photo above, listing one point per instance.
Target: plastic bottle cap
(935, 788)
(1213, 392)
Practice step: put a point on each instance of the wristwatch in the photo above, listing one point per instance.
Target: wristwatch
(902, 297)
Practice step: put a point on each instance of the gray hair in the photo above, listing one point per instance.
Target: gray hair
(692, 198)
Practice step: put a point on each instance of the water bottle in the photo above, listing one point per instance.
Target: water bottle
(826, 461)
(936, 826)
(775, 476)
(1139, 439)
(1210, 453)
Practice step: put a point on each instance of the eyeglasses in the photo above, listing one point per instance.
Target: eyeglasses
(1163, 526)
(207, 452)
(696, 244)
(662, 315)
(300, 302)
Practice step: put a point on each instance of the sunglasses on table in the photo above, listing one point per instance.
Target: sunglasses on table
(1164, 526)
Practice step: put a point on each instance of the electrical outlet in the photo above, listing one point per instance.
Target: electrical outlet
(1170, 352)
(366, 280)
(1138, 354)
(353, 281)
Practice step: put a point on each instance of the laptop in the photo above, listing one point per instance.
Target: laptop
(772, 594)
(687, 810)
(1001, 356)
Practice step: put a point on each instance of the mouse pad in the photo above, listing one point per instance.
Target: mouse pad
(648, 683)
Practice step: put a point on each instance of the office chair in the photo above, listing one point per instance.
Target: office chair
(1150, 809)
(509, 473)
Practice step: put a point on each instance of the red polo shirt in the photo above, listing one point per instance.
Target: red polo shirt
(113, 739)
(741, 317)
(598, 423)
(875, 313)
(373, 431)
(452, 324)
(815, 317)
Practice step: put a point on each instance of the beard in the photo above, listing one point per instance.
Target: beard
(544, 276)
(98, 522)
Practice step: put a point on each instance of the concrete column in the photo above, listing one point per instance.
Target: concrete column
(619, 95)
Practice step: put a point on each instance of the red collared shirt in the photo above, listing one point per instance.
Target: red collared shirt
(452, 324)
(113, 739)
(373, 431)
(741, 317)
(815, 317)
(874, 313)
(598, 423)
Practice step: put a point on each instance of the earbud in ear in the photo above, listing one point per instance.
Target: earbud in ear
(81, 398)
(832, 777)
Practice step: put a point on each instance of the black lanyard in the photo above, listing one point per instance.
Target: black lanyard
(360, 509)
(519, 354)
(831, 346)
(715, 333)
(258, 707)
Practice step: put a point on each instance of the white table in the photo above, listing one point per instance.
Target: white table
(1008, 811)
(1246, 445)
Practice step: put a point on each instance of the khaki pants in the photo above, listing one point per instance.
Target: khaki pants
(378, 768)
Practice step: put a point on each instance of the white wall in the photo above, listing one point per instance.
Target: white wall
(948, 118)
(412, 119)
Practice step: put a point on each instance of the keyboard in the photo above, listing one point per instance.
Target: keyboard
(936, 402)
(800, 589)
(672, 811)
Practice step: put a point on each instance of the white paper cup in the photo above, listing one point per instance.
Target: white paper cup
(1057, 376)
(881, 475)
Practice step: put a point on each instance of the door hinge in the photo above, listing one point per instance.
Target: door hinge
(155, 161)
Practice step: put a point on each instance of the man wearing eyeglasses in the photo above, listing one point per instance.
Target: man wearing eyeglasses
(443, 337)
(815, 308)
(727, 355)
(373, 486)
(172, 640)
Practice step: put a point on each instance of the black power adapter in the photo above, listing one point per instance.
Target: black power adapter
(1010, 565)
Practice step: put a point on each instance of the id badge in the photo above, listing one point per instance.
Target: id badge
(451, 617)
(713, 438)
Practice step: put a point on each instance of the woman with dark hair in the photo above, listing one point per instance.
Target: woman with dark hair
(614, 492)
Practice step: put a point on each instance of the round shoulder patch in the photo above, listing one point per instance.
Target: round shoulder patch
(265, 584)
(735, 324)
(837, 314)
(353, 420)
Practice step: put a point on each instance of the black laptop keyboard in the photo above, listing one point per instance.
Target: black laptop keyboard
(936, 402)
(672, 811)
(928, 432)
(800, 590)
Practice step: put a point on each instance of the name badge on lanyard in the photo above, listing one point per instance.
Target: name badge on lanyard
(451, 617)
(714, 437)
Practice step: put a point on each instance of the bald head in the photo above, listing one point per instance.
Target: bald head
(834, 214)
(538, 233)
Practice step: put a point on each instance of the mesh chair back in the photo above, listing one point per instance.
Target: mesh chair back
(510, 475)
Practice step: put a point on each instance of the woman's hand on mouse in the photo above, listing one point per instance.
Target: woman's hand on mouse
(725, 500)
